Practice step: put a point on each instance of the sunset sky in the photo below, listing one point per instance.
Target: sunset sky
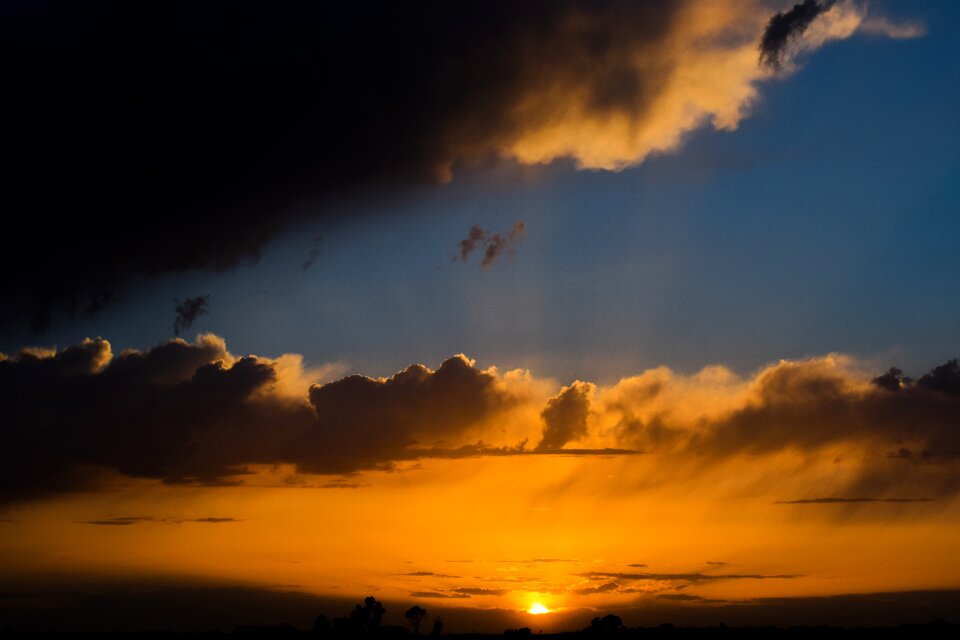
(480, 306)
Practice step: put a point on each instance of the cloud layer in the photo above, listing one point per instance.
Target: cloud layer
(192, 413)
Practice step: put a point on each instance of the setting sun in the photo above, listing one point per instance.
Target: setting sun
(537, 609)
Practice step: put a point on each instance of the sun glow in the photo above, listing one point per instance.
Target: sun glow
(537, 609)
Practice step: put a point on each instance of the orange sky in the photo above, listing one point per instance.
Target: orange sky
(690, 510)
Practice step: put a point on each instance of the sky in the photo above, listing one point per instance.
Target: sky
(623, 307)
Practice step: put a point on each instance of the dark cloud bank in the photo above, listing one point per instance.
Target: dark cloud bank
(155, 137)
(169, 136)
(190, 413)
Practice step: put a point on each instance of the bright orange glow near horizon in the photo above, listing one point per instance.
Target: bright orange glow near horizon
(660, 490)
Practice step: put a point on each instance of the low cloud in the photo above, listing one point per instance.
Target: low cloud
(565, 416)
(438, 595)
(194, 414)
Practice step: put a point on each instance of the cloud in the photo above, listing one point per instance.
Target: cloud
(881, 26)
(851, 500)
(542, 561)
(369, 421)
(131, 520)
(195, 414)
(816, 410)
(210, 126)
(122, 521)
(685, 577)
(493, 244)
(786, 26)
(481, 591)
(188, 311)
(565, 416)
(313, 254)
(439, 595)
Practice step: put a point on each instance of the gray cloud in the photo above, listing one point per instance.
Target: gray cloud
(491, 244)
(193, 414)
(188, 311)
(905, 432)
(565, 416)
(786, 26)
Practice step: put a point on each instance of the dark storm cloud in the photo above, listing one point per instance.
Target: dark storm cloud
(369, 421)
(565, 416)
(190, 413)
(173, 136)
(188, 311)
(786, 26)
(142, 414)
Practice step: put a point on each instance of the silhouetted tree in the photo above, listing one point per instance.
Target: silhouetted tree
(607, 624)
(415, 615)
(321, 625)
(437, 627)
(365, 619)
(945, 378)
(892, 380)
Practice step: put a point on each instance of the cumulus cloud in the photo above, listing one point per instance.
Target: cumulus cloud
(565, 416)
(195, 414)
(884, 444)
(371, 420)
(207, 125)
